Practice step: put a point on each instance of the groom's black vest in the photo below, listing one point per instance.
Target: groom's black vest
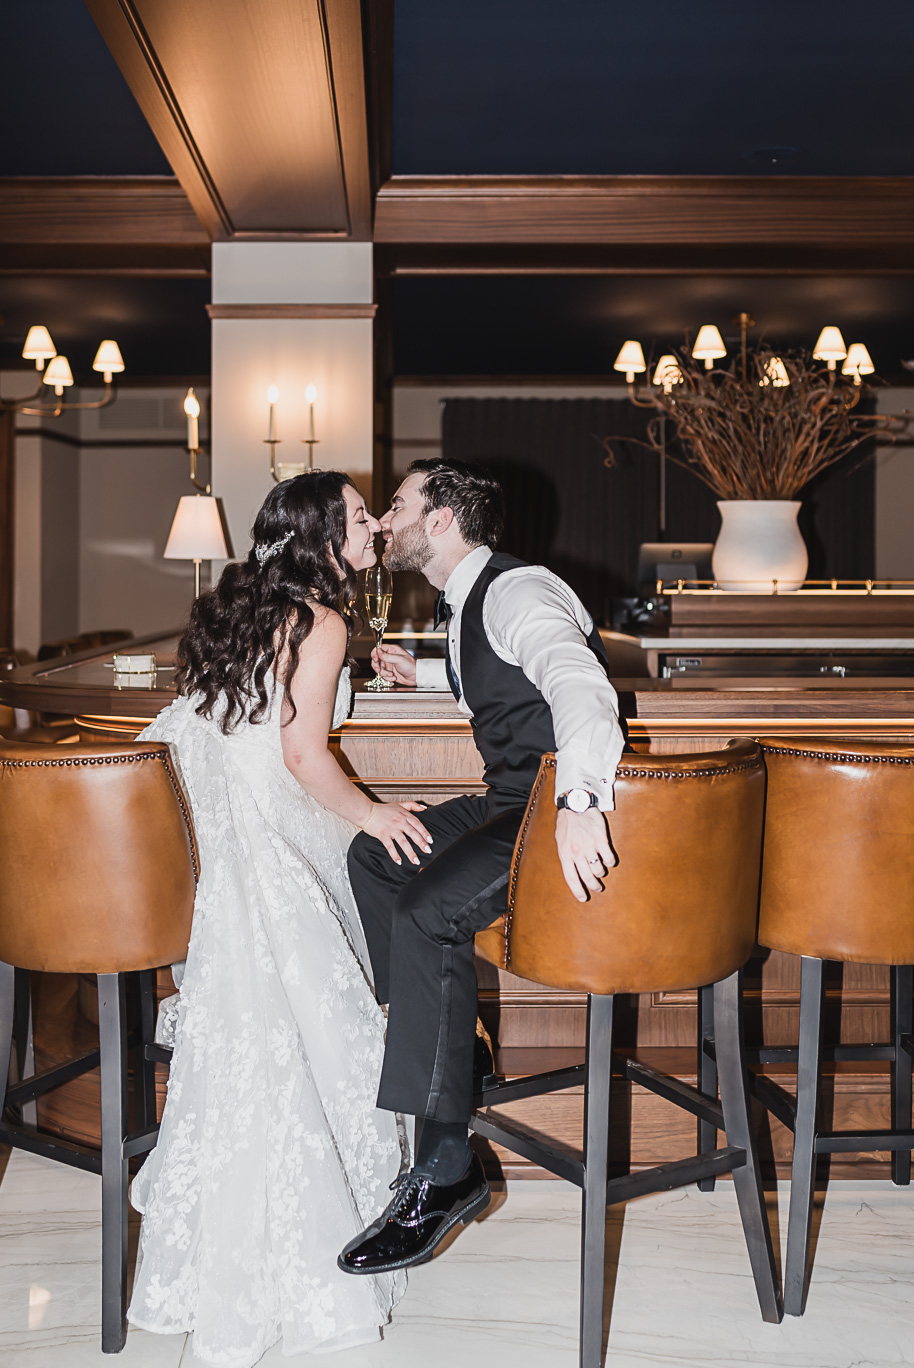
(512, 722)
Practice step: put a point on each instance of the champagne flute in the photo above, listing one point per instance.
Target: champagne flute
(378, 594)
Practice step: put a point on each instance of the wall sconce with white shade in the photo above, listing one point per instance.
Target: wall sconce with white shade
(39, 347)
(631, 361)
(858, 362)
(58, 374)
(830, 347)
(667, 373)
(709, 345)
(196, 534)
(775, 374)
(108, 360)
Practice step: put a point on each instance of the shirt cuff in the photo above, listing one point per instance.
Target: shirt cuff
(584, 771)
(431, 673)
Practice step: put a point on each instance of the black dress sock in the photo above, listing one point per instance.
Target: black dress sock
(443, 1151)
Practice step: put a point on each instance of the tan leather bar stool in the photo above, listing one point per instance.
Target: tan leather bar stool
(99, 865)
(677, 912)
(838, 884)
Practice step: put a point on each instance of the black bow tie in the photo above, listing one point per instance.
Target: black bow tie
(442, 610)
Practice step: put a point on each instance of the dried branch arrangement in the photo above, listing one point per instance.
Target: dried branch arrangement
(749, 438)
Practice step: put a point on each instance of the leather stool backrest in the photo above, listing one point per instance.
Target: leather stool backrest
(679, 909)
(98, 860)
(838, 860)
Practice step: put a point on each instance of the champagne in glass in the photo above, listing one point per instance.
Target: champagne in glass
(378, 595)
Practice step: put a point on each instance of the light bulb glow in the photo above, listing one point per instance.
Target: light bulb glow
(108, 359)
(311, 394)
(830, 347)
(667, 373)
(272, 394)
(709, 345)
(38, 346)
(775, 374)
(858, 362)
(191, 404)
(630, 360)
(58, 374)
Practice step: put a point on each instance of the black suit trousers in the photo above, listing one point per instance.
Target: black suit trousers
(420, 921)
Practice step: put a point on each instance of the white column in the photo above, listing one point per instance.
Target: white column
(289, 314)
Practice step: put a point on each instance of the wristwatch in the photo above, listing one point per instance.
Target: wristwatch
(577, 800)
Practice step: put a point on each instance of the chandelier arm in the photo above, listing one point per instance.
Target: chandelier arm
(61, 407)
(15, 405)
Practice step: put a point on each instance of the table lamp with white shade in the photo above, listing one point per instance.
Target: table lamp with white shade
(196, 533)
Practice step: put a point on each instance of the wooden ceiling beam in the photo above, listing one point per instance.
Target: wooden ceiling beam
(110, 211)
(259, 106)
(658, 211)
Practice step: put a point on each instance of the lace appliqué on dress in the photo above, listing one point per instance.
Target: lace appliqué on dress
(272, 1154)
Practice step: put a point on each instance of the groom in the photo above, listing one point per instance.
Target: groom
(527, 666)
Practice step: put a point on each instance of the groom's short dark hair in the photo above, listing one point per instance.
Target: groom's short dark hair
(470, 492)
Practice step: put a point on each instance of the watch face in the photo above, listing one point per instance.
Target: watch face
(578, 800)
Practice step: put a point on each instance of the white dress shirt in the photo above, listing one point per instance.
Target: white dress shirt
(533, 620)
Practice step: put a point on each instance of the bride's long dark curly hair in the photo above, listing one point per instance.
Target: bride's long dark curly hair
(257, 613)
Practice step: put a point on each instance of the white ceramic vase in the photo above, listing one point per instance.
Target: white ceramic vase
(759, 542)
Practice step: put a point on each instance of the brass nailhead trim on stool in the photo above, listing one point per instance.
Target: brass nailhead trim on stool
(623, 772)
(840, 755)
(122, 760)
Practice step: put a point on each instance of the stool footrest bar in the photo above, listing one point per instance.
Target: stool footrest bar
(774, 1099)
(141, 1142)
(158, 1054)
(673, 1090)
(50, 1147)
(857, 1142)
(534, 1085)
(679, 1173)
(530, 1146)
(831, 1054)
(47, 1079)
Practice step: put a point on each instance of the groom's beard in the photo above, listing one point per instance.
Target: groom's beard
(408, 549)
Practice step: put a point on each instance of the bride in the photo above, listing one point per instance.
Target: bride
(271, 1154)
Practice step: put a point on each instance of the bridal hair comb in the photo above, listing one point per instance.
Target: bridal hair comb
(263, 553)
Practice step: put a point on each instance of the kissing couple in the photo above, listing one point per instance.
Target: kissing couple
(266, 1203)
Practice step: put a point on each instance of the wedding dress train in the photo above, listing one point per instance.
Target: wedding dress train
(271, 1154)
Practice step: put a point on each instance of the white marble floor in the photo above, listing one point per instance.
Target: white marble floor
(505, 1291)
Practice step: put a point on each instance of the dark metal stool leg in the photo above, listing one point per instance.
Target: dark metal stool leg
(7, 1008)
(707, 1075)
(25, 1042)
(803, 1169)
(112, 1025)
(902, 1025)
(596, 1158)
(144, 1070)
(734, 1096)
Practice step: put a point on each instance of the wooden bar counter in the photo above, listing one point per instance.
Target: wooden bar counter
(407, 743)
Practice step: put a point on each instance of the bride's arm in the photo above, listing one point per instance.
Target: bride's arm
(308, 757)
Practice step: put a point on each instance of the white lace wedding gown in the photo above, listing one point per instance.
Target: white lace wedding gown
(271, 1154)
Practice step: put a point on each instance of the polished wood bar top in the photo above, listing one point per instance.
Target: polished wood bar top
(85, 685)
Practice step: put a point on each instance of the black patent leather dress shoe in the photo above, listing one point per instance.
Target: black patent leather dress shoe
(484, 1075)
(416, 1221)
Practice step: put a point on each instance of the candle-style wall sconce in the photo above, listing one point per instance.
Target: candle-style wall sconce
(192, 409)
(286, 470)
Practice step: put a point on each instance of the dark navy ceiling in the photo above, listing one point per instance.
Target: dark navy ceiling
(657, 87)
(567, 325)
(62, 93)
(161, 325)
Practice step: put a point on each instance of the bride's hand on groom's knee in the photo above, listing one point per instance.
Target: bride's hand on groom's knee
(396, 827)
(395, 664)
